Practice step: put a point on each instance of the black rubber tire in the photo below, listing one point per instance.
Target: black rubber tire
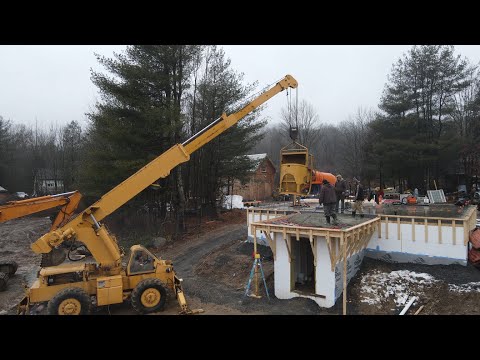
(3, 281)
(141, 287)
(70, 293)
(9, 267)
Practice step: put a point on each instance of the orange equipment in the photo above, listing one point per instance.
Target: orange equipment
(69, 202)
(318, 177)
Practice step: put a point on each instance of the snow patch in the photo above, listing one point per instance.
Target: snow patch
(378, 286)
(464, 288)
(233, 202)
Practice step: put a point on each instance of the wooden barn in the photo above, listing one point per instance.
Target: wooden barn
(260, 185)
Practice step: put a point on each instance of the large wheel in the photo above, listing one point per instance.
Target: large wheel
(3, 281)
(70, 301)
(10, 267)
(149, 296)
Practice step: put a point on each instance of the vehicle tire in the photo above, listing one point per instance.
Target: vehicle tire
(70, 301)
(148, 296)
(404, 201)
(3, 281)
(10, 267)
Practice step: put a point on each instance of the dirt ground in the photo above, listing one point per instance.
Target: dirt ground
(214, 262)
(15, 239)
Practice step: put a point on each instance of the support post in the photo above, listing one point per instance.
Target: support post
(344, 243)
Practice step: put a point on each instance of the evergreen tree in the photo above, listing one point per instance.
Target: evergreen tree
(139, 117)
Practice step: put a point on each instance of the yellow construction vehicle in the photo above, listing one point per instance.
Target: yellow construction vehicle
(68, 288)
(15, 209)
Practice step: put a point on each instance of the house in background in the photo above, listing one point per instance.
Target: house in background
(260, 184)
(48, 182)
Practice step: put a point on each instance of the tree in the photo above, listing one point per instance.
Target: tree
(219, 89)
(307, 121)
(417, 104)
(5, 137)
(139, 117)
(70, 148)
(353, 143)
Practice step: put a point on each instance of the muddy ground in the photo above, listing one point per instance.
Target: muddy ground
(215, 262)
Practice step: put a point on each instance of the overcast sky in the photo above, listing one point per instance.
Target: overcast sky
(52, 83)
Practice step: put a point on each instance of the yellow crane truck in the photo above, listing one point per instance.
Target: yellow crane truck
(69, 287)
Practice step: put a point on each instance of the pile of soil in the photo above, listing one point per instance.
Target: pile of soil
(232, 263)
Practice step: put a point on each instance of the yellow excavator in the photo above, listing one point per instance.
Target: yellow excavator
(69, 288)
(15, 209)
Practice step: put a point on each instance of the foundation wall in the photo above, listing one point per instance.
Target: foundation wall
(328, 284)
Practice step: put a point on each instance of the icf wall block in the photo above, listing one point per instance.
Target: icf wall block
(326, 286)
(354, 263)
(281, 268)
(324, 276)
(439, 242)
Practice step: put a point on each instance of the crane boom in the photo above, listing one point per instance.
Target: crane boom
(69, 202)
(86, 226)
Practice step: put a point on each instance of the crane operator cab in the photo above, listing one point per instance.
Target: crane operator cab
(141, 261)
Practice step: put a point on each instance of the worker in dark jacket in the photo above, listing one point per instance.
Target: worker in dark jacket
(340, 189)
(359, 197)
(328, 198)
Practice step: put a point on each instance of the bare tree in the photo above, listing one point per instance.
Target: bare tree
(354, 136)
(306, 119)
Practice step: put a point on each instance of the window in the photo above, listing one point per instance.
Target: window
(141, 262)
(264, 169)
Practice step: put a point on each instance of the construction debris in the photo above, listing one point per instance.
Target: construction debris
(410, 302)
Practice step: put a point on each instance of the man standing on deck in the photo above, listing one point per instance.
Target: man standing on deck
(340, 188)
(329, 199)
(359, 197)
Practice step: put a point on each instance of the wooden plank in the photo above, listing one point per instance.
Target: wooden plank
(271, 242)
(288, 249)
(254, 240)
(331, 253)
(353, 243)
(297, 233)
(380, 229)
(398, 228)
(386, 227)
(344, 275)
(334, 251)
(465, 233)
(426, 230)
(454, 229)
(419, 309)
(260, 216)
(268, 215)
(314, 252)
(413, 229)
(421, 217)
(439, 231)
